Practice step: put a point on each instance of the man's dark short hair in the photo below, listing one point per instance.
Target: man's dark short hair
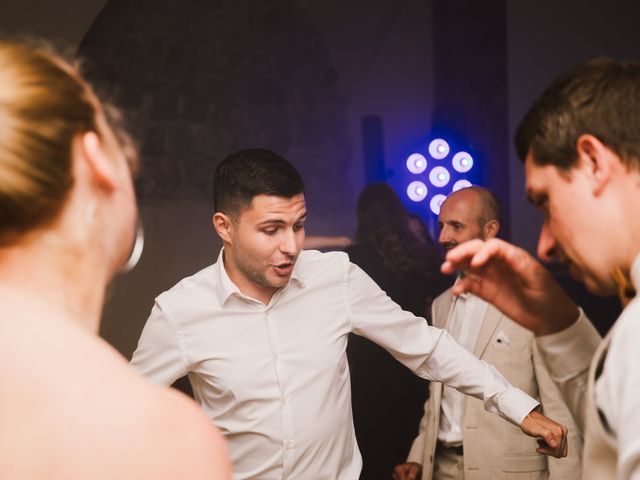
(600, 97)
(246, 174)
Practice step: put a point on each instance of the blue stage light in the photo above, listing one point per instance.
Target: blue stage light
(438, 148)
(416, 163)
(460, 184)
(439, 176)
(417, 191)
(436, 203)
(462, 162)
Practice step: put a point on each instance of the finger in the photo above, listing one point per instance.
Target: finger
(553, 452)
(550, 438)
(565, 443)
(559, 451)
(462, 254)
(399, 473)
(491, 250)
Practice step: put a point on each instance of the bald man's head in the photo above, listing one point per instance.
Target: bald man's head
(469, 213)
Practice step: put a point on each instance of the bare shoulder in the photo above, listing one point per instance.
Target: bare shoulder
(73, 408)
(161, 433)
(181, 442)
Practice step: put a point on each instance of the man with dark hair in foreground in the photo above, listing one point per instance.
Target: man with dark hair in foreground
(262, 335)
(580, 143)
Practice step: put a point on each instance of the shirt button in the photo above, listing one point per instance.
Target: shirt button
(289, 444)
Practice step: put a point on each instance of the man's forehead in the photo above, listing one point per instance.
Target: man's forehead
(460, 202)
(535, 175)
(274, 205)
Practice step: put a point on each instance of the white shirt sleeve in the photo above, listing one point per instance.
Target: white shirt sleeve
(428, 351)
(617, 391)
(576, 343)
(160, 356)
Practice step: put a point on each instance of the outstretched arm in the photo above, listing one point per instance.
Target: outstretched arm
(434, 355)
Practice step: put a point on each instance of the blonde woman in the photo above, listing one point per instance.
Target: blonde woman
(70, 408)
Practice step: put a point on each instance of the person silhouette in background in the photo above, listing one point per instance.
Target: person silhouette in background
(387, 397)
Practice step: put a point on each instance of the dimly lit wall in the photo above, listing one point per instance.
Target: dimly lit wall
(200, 78)
(544, 39)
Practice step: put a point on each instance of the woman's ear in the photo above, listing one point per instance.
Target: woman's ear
(89, 149)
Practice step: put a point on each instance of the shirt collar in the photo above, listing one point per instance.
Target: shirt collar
(225, 287)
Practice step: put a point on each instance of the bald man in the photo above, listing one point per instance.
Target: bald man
(457, 438)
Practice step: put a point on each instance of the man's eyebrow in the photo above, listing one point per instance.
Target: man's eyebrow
(279, 221)
(272, 221)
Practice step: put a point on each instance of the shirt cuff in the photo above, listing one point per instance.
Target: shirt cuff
(579, 342)
(515, 405)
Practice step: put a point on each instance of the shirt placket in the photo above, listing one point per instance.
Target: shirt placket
(462, 336)
(286, 413)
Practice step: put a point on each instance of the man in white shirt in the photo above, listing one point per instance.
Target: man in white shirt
(451, 443)
(580, 144)
(262, 336)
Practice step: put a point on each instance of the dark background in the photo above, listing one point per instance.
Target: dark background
(345, 90)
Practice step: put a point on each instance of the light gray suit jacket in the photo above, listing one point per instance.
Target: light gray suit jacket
(493, 447)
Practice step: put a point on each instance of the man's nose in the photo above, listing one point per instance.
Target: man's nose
(289, 244)
(444, 236)
(547, 245)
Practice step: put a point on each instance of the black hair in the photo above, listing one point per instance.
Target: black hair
(248, 173)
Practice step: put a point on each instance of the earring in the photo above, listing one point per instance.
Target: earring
(136, 249)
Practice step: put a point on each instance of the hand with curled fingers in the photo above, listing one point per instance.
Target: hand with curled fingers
(514, 282)
(553, 436)
(407, 471)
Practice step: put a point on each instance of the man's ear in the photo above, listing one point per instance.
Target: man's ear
(491, 229)
(596, 160)
(224, 226)
(89, 149)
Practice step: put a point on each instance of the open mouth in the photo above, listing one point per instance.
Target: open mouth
(284, 269)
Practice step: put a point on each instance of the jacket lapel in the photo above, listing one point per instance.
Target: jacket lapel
(443, 309)
(489, 325)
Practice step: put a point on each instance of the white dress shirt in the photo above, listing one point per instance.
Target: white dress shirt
(464, 326)
(274, 378)
(617, 389)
